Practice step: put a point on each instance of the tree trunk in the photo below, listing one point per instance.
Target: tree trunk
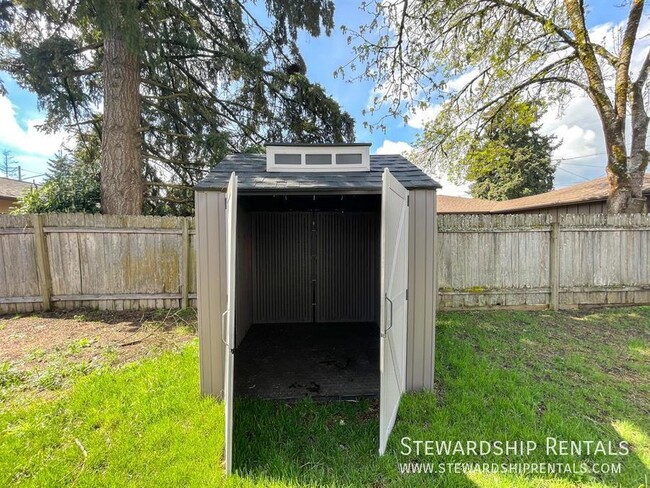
(625, 174)
(121, 160)
(620, 185)
(638, 162)
(625, 171)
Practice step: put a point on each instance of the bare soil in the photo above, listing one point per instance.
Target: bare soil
(30, 342)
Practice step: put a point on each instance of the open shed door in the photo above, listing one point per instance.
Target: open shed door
(228, 318)
(394, 280)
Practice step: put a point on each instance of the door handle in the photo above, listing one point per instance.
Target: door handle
(223, 328)
(386, 329)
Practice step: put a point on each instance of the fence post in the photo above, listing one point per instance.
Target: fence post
(42, 262)
(185, 265)
(554, 256)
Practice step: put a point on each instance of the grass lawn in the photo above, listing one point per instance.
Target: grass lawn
(500, 376)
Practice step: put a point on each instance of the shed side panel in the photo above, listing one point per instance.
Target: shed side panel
(422, 290)
(211, 287)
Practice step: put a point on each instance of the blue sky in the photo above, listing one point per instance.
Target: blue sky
(578, 126)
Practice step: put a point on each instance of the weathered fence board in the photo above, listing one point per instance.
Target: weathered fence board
(100, 261)
(528, 261)
(484, 261)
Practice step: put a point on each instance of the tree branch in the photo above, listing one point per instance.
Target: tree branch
(621, 85)
(605, 54)
(585, 51)
(546, 22)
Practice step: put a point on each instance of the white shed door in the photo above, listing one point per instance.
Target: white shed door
(394, 280)
(228, 318)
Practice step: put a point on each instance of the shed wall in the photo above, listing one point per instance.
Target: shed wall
(211, 266)
(210, 212)
(421, 327)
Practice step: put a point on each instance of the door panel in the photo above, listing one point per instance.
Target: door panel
(394, 280)
(228, 318)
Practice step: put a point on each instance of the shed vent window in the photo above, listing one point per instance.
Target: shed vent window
(348, 159)
(287, 159)
(318, 157)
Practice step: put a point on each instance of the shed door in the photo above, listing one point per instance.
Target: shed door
(228, 319)
(394, 279)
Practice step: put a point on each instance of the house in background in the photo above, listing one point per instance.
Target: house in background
(589, 197)
(10, 191)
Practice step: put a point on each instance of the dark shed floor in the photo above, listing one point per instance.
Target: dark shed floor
(292, 361)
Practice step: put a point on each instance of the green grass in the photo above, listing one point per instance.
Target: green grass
(500, 376)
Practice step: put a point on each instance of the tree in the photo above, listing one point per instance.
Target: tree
(8, 164)
(181, 82)
(507, 49)
(512, 159)
(72, 186)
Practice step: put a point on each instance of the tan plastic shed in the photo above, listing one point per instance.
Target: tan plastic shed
(316, 276)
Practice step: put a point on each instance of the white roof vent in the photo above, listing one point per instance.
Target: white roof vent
(317, 158)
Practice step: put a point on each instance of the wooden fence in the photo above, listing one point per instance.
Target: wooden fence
(65, 261)
(530, 261)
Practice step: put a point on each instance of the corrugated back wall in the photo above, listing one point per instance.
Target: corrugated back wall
(315, 266)
(347, 267)
(282, 290)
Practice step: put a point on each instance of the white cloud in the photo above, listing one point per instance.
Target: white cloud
(419, 118)
(403, 148)
(394, 147)
(29, 144)
(581, 153)
(451, 189)
(576, 142)
(460, 82)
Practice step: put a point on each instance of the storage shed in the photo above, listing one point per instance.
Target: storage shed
(316, 276)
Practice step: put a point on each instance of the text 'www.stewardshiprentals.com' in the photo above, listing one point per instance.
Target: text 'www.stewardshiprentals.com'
(509, 468)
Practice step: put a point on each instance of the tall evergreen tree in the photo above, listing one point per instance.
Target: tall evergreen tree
(180, 82)
(8, 164)
(511, 158)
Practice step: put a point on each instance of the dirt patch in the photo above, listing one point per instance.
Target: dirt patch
(33, 342)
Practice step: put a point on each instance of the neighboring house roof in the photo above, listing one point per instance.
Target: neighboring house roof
(589, 191)
(448, 204)
(253, 177)
(13, 188)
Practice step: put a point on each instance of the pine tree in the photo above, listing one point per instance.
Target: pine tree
(181, 82)
(511, 158)
(8, 165)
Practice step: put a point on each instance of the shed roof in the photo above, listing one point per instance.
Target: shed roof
(253, 177)
(13, 188)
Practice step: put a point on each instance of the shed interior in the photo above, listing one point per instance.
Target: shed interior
(307, 304)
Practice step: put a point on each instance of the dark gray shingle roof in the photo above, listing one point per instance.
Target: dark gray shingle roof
(253, 177)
